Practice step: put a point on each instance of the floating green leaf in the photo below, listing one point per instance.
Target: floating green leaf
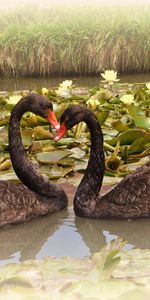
(138, 116)
(102, 116)
(128, 137)
(52, 157)
(5, 165)
(59, 172)
(119, 126)
(41, 134)
(27, 136)
(4, 118)
(126, 273)
(138, 145)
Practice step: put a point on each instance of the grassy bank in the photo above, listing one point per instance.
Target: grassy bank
(79, 40)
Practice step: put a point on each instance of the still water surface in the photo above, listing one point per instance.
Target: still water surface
(37, 83)
(63, 234)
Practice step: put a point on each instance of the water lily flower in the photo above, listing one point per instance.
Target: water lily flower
(66, 85)
(127, 99)
(14, 99)
(64, 89)
(110, 76)
(92, 103)
(148, 85)
(63, 93)
(44, 91)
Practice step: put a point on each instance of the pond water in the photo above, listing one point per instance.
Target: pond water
(37, 83)
(63, 234)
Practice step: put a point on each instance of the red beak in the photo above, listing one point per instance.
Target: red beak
(60, 133)
(52, 119)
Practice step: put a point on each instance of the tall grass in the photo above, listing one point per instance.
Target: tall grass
(55, 41)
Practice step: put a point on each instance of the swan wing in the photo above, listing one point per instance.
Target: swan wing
(134, 188)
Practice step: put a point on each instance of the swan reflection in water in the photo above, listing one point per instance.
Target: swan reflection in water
(63, 234)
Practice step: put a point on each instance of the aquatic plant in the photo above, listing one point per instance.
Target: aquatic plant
(127, 99)
(13, 99)
(123, 115)
(78, 40)
(64, 89)
(125, 272)
(148, 85)
(110, 76)
(92, 103)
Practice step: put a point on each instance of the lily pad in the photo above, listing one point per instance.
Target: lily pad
(138, 145)
(3, 135)
(119, 126)
(27, 136)
(128, 137)
(80, 165)
(102, 116)
(51, 157)
(4, 118)
(79, 129)
(40, 133)
(77, 153)
(138, 116)
(59, 172)
(5, 175)
(5, 165)
(126, 273)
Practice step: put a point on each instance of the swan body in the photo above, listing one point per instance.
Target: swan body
(36, 195)
(128, 199)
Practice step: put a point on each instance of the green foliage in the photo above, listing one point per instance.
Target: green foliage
(126, 130)
(78, 40)
(110, 274)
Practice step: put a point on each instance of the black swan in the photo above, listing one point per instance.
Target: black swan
(36, 196)
(128, 199)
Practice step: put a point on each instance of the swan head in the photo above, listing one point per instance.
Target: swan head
(70, 117)
(39, 105)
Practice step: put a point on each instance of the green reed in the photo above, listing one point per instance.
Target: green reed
(74, 40)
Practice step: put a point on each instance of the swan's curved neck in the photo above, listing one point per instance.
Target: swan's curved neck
(91, 183)
(22, 166)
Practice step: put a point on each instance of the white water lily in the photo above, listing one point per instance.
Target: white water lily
(44, 91)
(127, 99)
(63, 93)
(14, 99)
(92, 103)
(148, 85)
(110, 76)
(64, 89)
(66, 85)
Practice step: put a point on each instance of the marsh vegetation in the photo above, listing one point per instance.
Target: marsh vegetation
(74, 40)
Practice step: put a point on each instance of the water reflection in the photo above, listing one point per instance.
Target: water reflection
(28, 238)
(14, 84)
(66, 241)
(96, 233)
(63, 234)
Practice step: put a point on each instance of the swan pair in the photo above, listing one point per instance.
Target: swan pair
(38, 196)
